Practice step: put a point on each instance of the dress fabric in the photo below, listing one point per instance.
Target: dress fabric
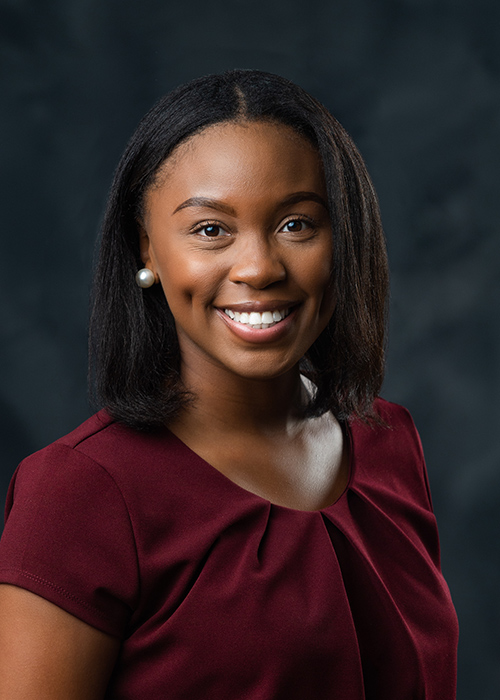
(218, 594)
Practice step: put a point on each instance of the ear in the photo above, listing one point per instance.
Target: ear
(145, 249)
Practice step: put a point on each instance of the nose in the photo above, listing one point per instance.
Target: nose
(257, 263)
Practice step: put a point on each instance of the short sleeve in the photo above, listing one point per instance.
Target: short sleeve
(68, 538)
(402, 447)
(413, 448)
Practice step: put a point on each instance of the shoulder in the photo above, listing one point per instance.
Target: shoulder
(75, 473)
(401, 434)
(391, 454)
(62, 462)
(396, 432)
(99, 437)
(103, 461)
(99, 444)
(62, 476)
(395, 415)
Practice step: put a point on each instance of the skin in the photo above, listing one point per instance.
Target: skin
(48, 654)
(256, 244)
(238, 220)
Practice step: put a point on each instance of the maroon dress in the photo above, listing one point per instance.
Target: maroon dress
(216, 593)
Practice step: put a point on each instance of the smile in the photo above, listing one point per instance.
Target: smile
(255, 319)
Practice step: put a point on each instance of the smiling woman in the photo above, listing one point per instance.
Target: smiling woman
(244, 518)
(249, 235)
(139, 380)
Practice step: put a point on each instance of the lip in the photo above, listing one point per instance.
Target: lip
(258, 335)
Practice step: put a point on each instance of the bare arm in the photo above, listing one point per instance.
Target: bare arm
(48, 654)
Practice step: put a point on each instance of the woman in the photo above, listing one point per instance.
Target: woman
(245, 519)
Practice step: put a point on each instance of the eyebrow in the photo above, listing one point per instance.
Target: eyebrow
(206, 202)
(209, 203)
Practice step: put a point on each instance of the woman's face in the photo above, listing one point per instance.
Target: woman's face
(237, 231)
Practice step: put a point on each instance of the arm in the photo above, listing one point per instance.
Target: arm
(48, 654)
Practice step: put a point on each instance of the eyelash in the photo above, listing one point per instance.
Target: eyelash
(310, 223)
(206, 224)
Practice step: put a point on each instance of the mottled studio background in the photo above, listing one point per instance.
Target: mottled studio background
(417, 84)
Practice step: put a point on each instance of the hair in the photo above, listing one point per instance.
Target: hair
(134, 352)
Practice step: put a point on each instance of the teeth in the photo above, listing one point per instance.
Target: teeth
(256, 319)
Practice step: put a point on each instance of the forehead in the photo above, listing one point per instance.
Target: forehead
(244, 152)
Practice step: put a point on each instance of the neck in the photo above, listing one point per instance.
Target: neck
(232, 403)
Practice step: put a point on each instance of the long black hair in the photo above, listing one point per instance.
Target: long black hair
(135, 357)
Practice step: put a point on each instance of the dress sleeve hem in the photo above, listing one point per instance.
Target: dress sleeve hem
(62, 598)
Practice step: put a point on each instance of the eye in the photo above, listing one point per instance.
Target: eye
(210, 230)
(296, 226)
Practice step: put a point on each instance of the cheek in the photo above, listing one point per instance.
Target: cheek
(317, 274)
(187, 280)
(327, 301)
(315, 271)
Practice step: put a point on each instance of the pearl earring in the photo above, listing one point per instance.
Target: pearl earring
(145, 278)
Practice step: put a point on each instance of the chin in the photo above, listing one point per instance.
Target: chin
(262, 371)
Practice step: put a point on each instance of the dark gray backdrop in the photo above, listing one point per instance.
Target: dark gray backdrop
(416, 82)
